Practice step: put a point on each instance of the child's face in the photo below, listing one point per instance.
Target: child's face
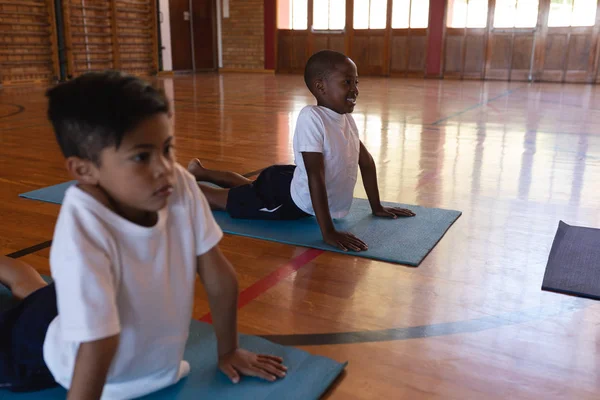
(139, 175)
(340, 89)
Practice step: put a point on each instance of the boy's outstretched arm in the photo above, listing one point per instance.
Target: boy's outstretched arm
(91, 368)
(221, 285)
(315, 168)
(369, 177)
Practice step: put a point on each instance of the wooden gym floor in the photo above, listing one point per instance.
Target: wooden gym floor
(471, 321)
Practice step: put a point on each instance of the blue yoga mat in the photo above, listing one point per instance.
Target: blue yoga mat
(308, 376)
(402, 241)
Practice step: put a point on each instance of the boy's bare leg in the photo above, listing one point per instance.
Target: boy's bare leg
(217, 197)
(226, 179)
(20, 277)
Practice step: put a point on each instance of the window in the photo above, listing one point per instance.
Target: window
(410, 14)
(572, 13)
(329, 14)
(292, 14)
(370, 14)
(467, 13)
(516, 13)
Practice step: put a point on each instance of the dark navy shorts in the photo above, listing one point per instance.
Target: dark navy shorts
(22, 332)
(268, 197)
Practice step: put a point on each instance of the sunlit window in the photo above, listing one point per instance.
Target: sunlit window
(467, 13)
(410, 14)
(292, 14)
(516, 13)
(370, 14)
(329, 14)
(572, 13)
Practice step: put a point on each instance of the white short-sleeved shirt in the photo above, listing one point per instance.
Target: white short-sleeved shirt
(321, 130)
(116, 277)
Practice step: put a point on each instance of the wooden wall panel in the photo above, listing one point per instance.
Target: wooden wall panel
(376, 59)
(299, 53)
(326, 41)
(399, 54)
(555, 51)
(475, 54)
(521, 55)
(292, 51)
(418, 54)
(569, 54)
(360, 53)
(464, 54)
(337, 43)
(520, 69)
(500, 52)
(285, 45)
(408, 52)
(453, 56)
(579, 52)
(554, 57)
(28, 51)
(111, 34)
(367, 51)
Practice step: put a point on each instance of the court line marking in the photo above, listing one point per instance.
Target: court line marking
(266, 283)
(19, 107)
(473, 107)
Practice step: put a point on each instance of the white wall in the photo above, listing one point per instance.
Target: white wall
(165, 32)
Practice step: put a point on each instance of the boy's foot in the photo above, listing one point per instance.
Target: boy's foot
(196, 168)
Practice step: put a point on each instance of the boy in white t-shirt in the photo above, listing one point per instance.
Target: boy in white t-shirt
(129, 239)
(327, 152)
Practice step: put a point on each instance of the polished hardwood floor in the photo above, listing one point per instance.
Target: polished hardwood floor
(471, 322)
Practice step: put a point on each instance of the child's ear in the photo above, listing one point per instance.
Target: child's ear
(320, 86)
(85, 171)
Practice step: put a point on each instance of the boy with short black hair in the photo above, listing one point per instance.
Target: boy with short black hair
(129, 239)
(327, 153)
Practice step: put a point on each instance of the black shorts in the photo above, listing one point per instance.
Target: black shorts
(22, 332)
(268, 197)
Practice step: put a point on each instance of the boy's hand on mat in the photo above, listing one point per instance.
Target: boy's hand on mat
(393, 212)
(244, 362)
(345, 241)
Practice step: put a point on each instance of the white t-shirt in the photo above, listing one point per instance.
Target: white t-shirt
(116, 277)
(321, 130)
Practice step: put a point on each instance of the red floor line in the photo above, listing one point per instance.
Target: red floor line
(282, 272)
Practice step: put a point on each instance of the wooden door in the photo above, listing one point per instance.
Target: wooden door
(292, 50)
(408, 52)
(510, 53)
(205, 49)
(464, 55)
(368, 51)
(181, 35)
(568, 55)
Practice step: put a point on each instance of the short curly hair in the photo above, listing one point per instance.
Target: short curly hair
(320, 65)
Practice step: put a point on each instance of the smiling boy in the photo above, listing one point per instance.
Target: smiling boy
(327, 152)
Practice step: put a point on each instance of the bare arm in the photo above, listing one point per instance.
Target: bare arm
(221, 285)
(91, 368)
(368, 170)
(315, 168)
